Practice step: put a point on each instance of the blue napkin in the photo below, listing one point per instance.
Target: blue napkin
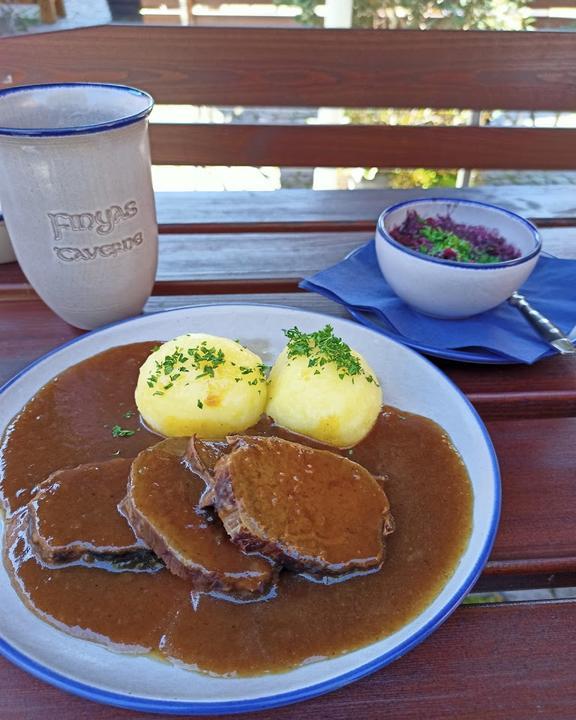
(357, 283)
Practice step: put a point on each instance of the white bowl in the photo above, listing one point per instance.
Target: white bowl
(447, 289)
(6, 250)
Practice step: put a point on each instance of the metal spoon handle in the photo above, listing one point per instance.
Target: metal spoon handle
(546, 329)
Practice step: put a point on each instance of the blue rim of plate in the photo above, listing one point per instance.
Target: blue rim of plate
(175, 707)
(128, 119)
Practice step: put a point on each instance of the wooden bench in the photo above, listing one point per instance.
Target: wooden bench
(504, 661)
(328, 68)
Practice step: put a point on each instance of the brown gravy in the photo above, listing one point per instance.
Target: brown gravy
(70, 422)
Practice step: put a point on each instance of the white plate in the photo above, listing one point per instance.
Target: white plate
(408, 381)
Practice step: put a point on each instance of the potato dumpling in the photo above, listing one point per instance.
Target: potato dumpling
(201, 384)
(321, 388)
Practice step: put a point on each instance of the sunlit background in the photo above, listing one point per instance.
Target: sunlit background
(528, 15)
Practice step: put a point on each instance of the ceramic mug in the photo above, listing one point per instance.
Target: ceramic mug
(76, 193)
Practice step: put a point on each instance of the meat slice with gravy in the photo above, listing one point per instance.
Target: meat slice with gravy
(162, 506)
(73, 518)
(201, 457)
(310, 510)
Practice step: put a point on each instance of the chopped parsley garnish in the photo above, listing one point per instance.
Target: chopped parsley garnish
(202, 359)
(200, 404)
(444, 238)
(128, 414)
(207, 359)
(322, 348)
(118, 432)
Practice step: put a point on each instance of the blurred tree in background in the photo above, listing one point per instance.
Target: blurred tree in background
(421, 15)
(16, 20)
(427, 14)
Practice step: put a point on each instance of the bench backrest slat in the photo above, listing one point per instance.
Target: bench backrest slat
(350, 68)
(364, 146)
(318, 68)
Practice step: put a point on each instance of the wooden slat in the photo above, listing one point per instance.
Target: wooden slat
(341, 210)
(28, 330)
(276, 262)
(331, 210)
(305, 67)
(537, 460)
(548, 24)
(499, 583)
(253, 256)
(513, 661)
(547, 4)
(363, 145)
(501, 388)
(529, 402)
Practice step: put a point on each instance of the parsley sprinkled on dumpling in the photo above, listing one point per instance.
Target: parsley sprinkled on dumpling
(321, 388)
(201, 384)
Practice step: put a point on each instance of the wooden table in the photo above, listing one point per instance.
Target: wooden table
(512, 660)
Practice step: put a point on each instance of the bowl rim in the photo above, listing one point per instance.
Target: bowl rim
(385, 235)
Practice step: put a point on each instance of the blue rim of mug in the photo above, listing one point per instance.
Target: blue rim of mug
(383, 233)
(79, 129)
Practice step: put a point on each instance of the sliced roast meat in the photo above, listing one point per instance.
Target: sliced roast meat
(310, 510)
(162, 505)
(201, 457)
(73, 518)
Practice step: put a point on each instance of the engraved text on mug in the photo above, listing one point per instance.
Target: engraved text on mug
(102, 221)
(113, 249)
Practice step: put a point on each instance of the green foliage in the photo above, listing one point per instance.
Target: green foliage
(427, 14)
(483, 598)
(465, 14)
(425, 178)
(15, 20)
